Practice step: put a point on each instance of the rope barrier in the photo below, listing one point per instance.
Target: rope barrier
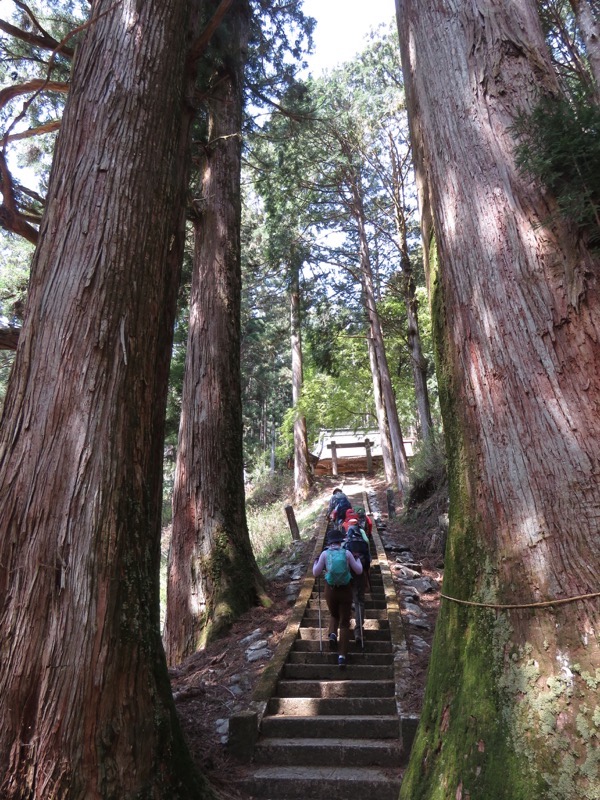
(544, 604)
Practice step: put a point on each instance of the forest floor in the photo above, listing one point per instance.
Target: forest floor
(211, 685)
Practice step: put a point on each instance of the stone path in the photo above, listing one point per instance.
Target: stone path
(325, 732)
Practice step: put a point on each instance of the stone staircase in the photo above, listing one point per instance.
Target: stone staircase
(327, 733)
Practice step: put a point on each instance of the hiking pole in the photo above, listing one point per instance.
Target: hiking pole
(320, 629)
(360, 627)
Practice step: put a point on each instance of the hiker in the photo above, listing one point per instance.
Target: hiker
(338, 564)
(364, 521)
(338, 505)
(333, 533)
(351, 518)
(357, 543)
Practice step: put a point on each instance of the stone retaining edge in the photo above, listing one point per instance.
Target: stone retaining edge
(408, 722)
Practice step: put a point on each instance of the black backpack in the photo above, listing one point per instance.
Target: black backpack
(342, 506)
(357, 546)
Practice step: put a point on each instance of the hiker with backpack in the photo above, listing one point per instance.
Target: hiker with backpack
(364, 521)
(351, 518)
(338, 505)
(357, 543)
(339, 565)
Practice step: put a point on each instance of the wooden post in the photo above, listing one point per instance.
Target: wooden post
(390, 502)
(292, 523)
(369, 457)
(334, 464)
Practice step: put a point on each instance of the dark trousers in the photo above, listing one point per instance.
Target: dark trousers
(339, 603)
(360, 585)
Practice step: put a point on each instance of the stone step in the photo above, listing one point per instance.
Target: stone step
(379, 614)
(312, 645)
(331, 726)
(354, 688)
(375, 583)
(331, 672)
(324, 752)
(370, 602)
(322, 783)
(336, 706)
(330, 656)
(376, 587)
(371, 631)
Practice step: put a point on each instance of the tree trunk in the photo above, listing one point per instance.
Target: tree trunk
(85, 701)
(273, 446)
(389, 398)
(213, 576)
(509, 708)
(589, 25)
(302, 474)
(418, 361)
(9, 336)
(382, 423)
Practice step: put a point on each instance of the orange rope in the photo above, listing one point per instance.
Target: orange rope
(524, 605)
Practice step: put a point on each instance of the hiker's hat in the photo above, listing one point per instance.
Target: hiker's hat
(336, 535)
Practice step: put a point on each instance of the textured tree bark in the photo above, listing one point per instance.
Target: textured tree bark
(509, 708)
(85, 701)
(302, 473)
(213, 576)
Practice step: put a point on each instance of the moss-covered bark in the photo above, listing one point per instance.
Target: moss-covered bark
(463, 748)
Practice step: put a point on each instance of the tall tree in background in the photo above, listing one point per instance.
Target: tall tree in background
(379, 362)
(401, 163)
(569, 29)
(374, 81)
(587, 14)
(511, 704)
(85, 701)
(342, 174)
(302, 473)
(279, 165)
(35, 63)
(213, 576)
(266, 390)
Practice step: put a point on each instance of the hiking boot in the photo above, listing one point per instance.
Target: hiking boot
(332, 641)
(358, 642)
(342, 662)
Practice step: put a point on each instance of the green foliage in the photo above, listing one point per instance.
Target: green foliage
(15, 257)
(280, 36)
(566, 44)
(309, 169)
(45, 23)
(265, 341)
(559, 144)
(267, 521)
(428, 471)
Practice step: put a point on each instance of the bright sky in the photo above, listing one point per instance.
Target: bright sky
(342, 26)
